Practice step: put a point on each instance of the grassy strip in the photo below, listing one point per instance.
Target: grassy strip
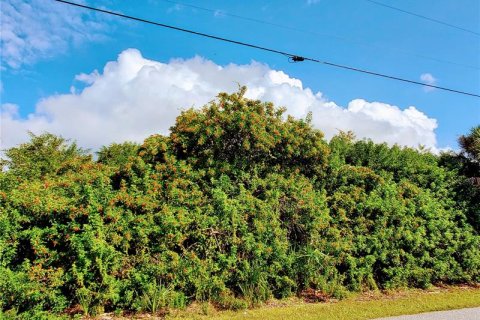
(364, 306)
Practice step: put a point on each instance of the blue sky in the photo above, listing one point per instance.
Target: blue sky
(45, 45)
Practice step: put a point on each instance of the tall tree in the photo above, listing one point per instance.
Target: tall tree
(470, 153)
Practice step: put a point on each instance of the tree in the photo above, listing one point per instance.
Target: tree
(466, 164)
(117, 154)
(470, 153)
(45, 154)
(470, 144)
(236, 133)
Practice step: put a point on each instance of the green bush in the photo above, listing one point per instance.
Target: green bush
(237, 205)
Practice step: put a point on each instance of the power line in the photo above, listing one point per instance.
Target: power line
(291, 56)
(423, 17)
(345, 39)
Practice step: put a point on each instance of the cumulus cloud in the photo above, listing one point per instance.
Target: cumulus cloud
(428, 78)
(134, 97)
(38, 29)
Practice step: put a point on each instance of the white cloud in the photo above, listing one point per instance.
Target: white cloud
(379, 121)
(39, 29)
(134, 97)
(429, 79)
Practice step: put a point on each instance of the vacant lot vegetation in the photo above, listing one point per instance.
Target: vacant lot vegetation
(239, 204)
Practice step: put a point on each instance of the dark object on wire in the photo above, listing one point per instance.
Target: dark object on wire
(296, 59)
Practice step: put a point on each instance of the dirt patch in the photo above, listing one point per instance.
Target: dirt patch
(312, 296)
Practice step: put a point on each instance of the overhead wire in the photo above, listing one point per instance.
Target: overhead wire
(423, 17)
(301, 30)
(291, 56)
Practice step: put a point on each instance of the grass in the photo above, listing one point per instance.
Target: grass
(359, 306)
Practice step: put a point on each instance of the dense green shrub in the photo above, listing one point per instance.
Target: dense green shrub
(466, 166)
(239, 204)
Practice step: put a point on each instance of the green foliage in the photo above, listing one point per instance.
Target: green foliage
(117, 154)
(234, 133)
(157, 297)
(470, 144)
(44, 155)
(239, 204)
(466, 165)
